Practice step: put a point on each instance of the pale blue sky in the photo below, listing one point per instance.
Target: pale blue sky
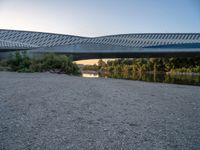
(101, 17)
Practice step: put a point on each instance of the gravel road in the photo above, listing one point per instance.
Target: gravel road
(42, 111)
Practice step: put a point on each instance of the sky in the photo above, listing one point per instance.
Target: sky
(101, 17)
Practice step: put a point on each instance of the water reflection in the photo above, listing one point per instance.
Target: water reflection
(188, 79)
(90, 74)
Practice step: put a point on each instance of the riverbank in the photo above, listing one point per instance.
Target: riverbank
(51, 111)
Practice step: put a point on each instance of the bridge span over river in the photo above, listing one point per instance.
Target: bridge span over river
(112, 46)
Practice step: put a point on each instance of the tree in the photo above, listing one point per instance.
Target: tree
(101, 64)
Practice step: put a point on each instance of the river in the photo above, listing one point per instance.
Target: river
(187, 79)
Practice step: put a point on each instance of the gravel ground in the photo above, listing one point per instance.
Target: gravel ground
(49, 111)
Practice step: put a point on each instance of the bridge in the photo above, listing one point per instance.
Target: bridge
(113, 46)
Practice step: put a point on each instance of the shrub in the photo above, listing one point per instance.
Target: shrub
(51, 62)
(59, 63)
(3, 63)
(20, 61)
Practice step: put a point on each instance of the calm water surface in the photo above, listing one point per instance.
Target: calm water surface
(187, 79)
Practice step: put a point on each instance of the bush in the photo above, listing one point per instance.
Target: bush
(55, 63)
(3, 63)
(20, 61)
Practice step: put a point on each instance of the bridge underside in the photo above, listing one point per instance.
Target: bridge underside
(82, 56)
(98, 54)
(113, 46)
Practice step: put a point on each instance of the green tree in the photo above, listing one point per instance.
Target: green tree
(101, 64)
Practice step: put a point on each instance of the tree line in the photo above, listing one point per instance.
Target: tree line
(142, 65)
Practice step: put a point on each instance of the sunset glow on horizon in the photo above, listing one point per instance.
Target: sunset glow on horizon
(88, 62)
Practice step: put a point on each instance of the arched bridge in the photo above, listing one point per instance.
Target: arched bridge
(113, 46)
